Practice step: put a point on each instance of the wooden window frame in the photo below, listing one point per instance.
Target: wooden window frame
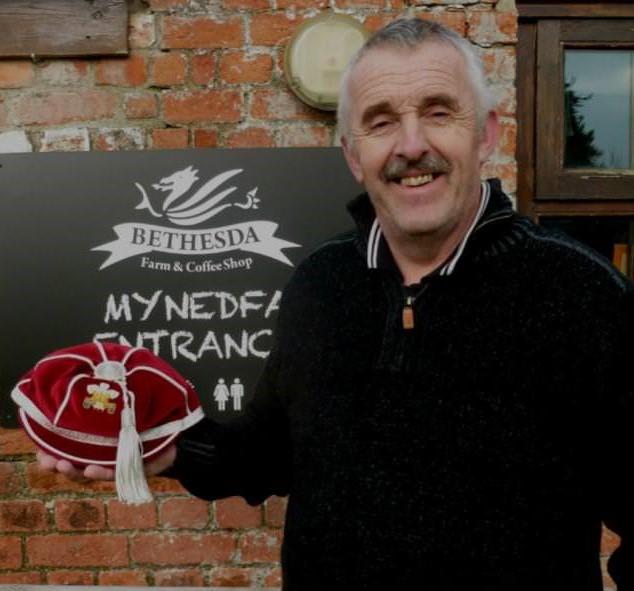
(553, 180)
(545, 187)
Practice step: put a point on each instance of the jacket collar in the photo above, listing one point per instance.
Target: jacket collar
(494, 206)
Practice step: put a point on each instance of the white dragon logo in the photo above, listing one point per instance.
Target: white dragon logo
(202, 205)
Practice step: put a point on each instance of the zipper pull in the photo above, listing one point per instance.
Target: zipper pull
(408, 313)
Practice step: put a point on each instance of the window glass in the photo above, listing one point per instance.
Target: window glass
(598, 108)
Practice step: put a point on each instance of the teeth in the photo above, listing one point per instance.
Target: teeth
(416, 181)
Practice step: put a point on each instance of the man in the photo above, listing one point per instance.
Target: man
(447, 403)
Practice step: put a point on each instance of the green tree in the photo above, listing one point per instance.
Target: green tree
(581, 150)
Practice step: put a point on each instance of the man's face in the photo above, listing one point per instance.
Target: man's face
(415, 141)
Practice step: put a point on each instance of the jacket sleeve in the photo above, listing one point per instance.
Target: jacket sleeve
(248, 456)
(618, 490)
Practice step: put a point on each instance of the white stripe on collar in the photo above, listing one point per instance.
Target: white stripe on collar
(373, 244)
(376, 234)
(485, 192)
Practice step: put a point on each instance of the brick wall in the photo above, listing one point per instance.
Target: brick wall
(199, 74)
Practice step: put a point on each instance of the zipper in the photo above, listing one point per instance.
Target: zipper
(408, 313)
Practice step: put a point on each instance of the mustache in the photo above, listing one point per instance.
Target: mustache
(429, 163)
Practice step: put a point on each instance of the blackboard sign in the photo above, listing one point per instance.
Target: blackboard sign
(183, 252)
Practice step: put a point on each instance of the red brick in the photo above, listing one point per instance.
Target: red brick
(77, 550)
(18, 516)
(127, 138)
(506, 99)
(360, 3)
(251, 137)
(499, 63)
(275, 511)
(184, 513)
(273, 578)
(231, 577)
(489, 27)
(508, 137)
(10, 480)
(167, 4)
(130, 71)
(506, 172)
(268, 104)
(162, 485)
(14, 442)
(239, 67)
(205, 138)
(235, 512)
(70, 577)
(249, 5)
(260, 546)
(84, 514)
(179, 578)
(63, 72)
(56, 108)
(375, 21)
(45, 482)
(20, 578)
(454, 19)
(303, 136)
(168, 69)
(10, 552)
(272, 29)
(170, 139)
(127, 578)
(201, 32)
(124, 516)
(202, 105)
(141, 106)
(299, 4)
(141, 30)
(182, 549)
(16, 73)
(203, 68)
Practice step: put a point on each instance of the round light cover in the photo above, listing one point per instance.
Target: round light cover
(317, 56)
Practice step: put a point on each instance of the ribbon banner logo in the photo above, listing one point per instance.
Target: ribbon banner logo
(187, 205)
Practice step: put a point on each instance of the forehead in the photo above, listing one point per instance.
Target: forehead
(398, 75)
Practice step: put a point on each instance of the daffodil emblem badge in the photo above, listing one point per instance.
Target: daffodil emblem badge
(183, 202)
(100, 397)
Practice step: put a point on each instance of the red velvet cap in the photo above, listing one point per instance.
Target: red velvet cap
(71, 402)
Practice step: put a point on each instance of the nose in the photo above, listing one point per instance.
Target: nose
(411, 142)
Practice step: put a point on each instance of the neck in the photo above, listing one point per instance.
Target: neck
(418, 256)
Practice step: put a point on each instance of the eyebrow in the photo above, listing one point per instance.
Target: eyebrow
(374, 110)
(442, 99)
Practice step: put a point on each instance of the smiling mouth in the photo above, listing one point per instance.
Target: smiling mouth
(417, 181)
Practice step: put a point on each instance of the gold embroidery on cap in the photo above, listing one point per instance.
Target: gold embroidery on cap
(100, 396)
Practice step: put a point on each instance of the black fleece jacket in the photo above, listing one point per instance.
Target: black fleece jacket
(480, 450)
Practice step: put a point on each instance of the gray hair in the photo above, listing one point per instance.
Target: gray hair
(411, 33)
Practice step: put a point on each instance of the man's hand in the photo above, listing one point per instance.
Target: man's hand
(50, 464)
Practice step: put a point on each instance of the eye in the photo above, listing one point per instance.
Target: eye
(379, 123)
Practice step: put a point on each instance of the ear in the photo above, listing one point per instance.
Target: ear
(352, 159)
(490, 136)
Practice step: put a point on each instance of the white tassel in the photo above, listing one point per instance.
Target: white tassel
(129, 475)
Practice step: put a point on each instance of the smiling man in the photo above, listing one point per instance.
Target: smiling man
(447, 404)
(416, 134)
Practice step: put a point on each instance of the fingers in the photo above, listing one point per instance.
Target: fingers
(45, 462)
(99, 473)
(48, 463)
